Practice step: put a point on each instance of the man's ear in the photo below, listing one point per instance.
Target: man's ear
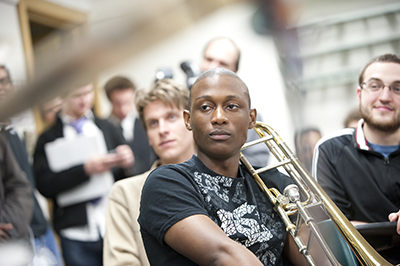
(358, 93)
(253, 118)
(186, 118)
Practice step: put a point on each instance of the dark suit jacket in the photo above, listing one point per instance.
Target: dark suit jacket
(50, 184)
(144, 154)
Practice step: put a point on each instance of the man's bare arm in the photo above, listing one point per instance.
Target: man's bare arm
(198, 238)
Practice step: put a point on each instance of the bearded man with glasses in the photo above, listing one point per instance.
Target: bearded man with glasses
(360, 168)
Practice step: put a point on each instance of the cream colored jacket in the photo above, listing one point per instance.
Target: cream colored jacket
(123, 243)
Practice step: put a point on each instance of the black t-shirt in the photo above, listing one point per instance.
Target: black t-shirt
(174, 192)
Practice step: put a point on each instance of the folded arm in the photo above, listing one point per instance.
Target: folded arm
(198, 238)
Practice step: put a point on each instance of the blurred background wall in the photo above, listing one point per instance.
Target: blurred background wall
(300, 58)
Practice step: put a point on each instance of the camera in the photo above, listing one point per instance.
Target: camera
(192, 71)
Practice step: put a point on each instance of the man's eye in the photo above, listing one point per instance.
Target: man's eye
(232, 106)
(152, 124)
(204, 107)
(396, 88)
(172, 117)
(374, 85)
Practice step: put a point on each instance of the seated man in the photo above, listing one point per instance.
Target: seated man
(359, 168)
(209, 210)
(160, 109)
(223, 52)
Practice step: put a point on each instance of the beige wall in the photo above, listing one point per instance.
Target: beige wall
(325, 109)
(12, 55)
(11, 50)
(258, 67)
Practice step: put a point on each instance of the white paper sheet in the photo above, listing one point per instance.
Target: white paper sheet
(65, 153)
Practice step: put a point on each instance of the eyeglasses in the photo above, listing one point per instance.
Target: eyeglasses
(377, 85)
(5, 81)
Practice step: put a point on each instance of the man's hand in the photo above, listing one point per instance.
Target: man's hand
(125, 156)
(100, 164)
(394, 216)
(3, 231)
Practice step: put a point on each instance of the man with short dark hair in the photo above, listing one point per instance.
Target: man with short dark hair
(121, 94)
(359, 168)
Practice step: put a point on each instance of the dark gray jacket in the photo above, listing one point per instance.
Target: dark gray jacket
(16, 202)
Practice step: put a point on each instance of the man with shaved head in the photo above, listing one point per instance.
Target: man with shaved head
(209, 210)
(222, 52)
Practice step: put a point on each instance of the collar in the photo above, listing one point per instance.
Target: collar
(66, 119)
(131, 116)
(201, 166)
(7, 126)
(156, 164)
(114, 120)
(360, 137)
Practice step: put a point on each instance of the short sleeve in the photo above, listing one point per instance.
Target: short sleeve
(168, 196)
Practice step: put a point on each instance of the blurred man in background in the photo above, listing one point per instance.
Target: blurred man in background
(79, 200)
(49, 110)
(43, 235)
(121, 94)
(352, 118)
(15, 205)
(221, 52)
(304, 141)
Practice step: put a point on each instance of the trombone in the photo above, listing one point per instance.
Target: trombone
(312, 195)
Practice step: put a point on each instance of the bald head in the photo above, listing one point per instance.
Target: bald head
(217, 72)
(221, 52)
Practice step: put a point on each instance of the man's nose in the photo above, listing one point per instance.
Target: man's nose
(218, 116)
(385, 93)
(162, 126)
(125, 109)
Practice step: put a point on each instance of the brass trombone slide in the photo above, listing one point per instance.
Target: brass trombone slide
(289, 202)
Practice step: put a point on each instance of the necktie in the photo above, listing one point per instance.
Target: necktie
(78, 124)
